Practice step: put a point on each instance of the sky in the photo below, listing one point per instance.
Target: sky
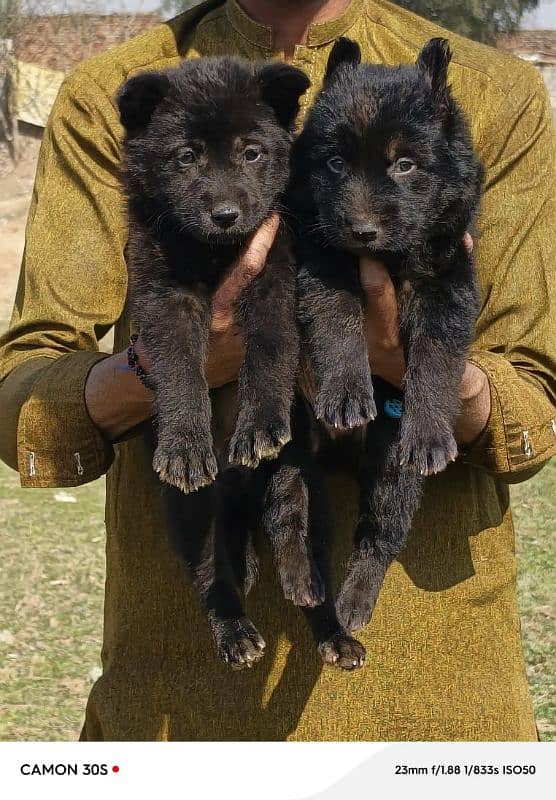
(543, 17)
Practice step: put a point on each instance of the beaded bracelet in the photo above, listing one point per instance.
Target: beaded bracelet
(133, 359)
(393, 408)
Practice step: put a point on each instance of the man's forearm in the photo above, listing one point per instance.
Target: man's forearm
(116, 399)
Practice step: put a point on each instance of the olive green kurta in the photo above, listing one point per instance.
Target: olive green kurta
(444, 649)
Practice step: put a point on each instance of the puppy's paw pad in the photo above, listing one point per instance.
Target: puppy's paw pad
(251, 443)
(343, 651)
(188, 468)
(346, 402)
(239, 644)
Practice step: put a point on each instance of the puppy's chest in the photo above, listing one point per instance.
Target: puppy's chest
(201, 267)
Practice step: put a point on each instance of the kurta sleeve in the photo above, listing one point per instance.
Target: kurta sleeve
(516, 330)
(71, 290)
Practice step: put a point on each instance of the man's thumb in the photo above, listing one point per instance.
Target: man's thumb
(381, 304)
(249, 264)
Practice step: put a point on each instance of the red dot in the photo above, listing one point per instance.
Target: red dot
(115, 768)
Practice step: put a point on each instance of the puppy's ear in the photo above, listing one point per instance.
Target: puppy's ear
(281, 88)
(433, 62)
(138, 98)
(344, 52)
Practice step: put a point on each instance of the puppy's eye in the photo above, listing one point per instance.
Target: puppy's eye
(186, 157)
(336, 164)
(404, 166)
(252, 154)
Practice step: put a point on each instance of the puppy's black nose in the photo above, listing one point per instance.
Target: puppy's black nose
(364, 231)
(224, 214)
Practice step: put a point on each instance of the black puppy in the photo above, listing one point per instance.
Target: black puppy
(206, 160)
(385, 166)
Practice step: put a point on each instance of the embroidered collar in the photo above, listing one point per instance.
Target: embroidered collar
(319, 32)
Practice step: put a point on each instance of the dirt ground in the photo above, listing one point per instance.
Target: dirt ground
(16, 185)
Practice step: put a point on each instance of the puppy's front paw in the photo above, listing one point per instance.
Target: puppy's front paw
(188, 466)
(426, 447)
(254, 440)
(343, 651)
(239, 643)
(346, 401)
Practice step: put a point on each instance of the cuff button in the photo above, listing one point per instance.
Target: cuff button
(526, 441)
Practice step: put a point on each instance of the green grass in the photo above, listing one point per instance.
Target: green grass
(534, 506)
(52, 556)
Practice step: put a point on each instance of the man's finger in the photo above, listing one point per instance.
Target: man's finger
(380, 301)
(249, 264)
(468, 242)
(254, 256)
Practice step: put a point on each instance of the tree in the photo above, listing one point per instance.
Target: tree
(170, 7)
(477, 19)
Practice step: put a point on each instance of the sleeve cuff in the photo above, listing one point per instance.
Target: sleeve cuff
(57, 442)
(520, 435)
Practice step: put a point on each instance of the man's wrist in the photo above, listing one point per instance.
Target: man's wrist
(475, 405)
(116, 399)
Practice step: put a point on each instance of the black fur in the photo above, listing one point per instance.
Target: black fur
(297, 520)
(206, 160)
(385, 166)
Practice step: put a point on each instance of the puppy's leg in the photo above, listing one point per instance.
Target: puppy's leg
(335, 644)
(267, 376)
(285, 516)
(330, 310)
(237, 508)
(200, 531)
(297, 520)
(390, 495)
(236, 521)
(238, 641)
(174, 326)
(437, 320)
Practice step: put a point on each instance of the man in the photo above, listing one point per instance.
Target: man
(444, 658)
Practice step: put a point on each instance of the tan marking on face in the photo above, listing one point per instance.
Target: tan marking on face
(361, 114)
(358, 120)
(393, 146)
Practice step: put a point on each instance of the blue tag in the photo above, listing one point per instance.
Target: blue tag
(393, 409)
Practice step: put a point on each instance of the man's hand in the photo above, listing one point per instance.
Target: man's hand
(226, 346)
(386, 352)
(117, 401)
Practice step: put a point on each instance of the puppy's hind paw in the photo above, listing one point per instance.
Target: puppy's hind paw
(343, 651)
(251, 443)
(354, 615)
(303, 585)
(358, 594)
(239, 644)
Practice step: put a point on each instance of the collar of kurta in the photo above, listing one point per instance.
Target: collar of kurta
(319, 33)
